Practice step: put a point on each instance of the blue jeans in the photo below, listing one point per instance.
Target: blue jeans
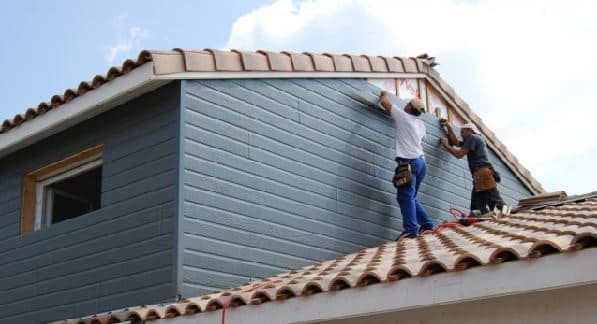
(413, 214)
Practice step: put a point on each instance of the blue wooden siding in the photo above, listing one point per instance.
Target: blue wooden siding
(278, 174)
(120, 255)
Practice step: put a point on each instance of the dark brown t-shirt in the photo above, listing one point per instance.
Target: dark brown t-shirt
(477, 152)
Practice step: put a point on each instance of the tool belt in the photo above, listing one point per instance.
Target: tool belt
(402, 174)
(484, 179)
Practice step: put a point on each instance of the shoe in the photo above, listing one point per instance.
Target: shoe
(406, 234)
(423, 231)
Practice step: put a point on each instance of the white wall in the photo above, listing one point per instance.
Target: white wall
(570, 305)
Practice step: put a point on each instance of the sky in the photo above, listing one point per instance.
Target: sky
(527, 68)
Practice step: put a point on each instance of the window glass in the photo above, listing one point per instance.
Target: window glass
(73, 197)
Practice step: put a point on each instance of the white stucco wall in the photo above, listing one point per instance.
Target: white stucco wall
(570, 305)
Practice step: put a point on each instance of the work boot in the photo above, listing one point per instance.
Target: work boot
(405, 234)
(424, 231)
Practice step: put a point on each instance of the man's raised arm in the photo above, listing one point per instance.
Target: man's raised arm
(385, 101)
(453, 140)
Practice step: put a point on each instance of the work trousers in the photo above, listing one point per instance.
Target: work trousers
(413, 214)
(485, 201)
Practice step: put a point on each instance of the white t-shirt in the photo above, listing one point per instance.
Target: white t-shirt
(410, 131)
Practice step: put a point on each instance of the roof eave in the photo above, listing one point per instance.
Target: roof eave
(93, 103)
(548, 273)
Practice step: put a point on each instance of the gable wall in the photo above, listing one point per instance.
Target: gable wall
(278, 174)
(120, 255)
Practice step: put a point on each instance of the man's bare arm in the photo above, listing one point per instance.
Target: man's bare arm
(385, 101)
(453, 140)
(456, 152)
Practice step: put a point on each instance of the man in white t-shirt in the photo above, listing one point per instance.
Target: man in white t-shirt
(410, 131)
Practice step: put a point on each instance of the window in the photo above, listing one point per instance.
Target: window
(62, 190)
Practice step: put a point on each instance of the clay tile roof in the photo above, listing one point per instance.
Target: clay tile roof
(278, 61)
(568, 226)
(410, 65)
(541, 199)
(301, 62)
(322, 63)
(378, 64)
(254, 61)
(359, 63)
(394, 64)
(341, 62)
(210, 60)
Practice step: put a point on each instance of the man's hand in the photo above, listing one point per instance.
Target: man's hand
(385, 100)
(444, 142)
(452, 139)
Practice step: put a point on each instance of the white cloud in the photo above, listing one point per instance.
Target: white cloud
(526, 67)
(123, 48)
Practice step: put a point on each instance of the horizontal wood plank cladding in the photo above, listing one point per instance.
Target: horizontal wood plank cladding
(120, 255)
(278, 174)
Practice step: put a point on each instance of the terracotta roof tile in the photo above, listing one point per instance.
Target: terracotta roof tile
(198, 61)
(227, 61)
(525, 234)
(394, 64)
(301, 62)
(359, 63)
(543, 198)
(409, 65)
(322, 63)
(434, 75)
(421, 65)
(341, 62)
(254, 61)
(378, 64)
(278, 61)
(166, 62)
(209, 60)
(447, 88)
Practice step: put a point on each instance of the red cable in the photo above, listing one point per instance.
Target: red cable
(454, 211)
(443, 226)
(224, 306)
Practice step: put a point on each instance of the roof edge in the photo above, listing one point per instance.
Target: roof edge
(208, 63)
(494, 143)
(479, 283)
(81, 108)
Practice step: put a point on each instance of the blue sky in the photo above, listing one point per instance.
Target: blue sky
(49, 46)
(526, 67)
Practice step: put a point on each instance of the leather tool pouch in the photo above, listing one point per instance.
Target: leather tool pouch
(483, 179)
(402, 175)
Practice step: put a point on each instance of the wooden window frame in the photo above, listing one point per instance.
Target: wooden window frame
(53, 171)
(423, 94)
(434, 110)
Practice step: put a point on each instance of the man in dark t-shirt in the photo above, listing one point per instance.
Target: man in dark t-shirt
(484, 196)
(477, 152)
